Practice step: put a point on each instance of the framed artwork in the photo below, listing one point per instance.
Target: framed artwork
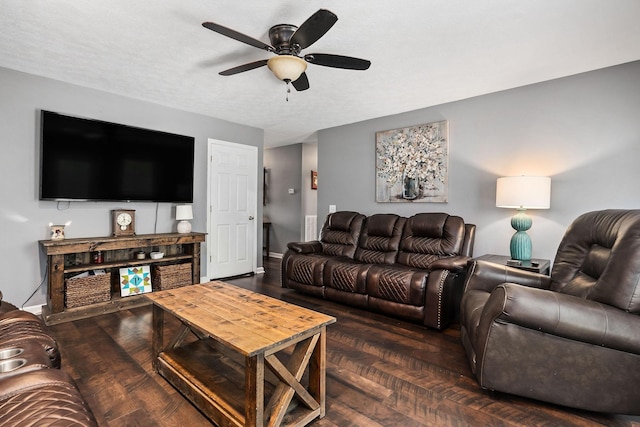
(412, 164)
(57, 232)
(264, 186)
(135, 280)
(314, 180)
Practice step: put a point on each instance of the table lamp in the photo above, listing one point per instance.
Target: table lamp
(522, 193)
(183, 214)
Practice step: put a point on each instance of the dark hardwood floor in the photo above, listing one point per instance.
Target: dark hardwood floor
(381, 372)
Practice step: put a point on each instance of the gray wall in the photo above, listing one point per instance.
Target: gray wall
(309, 163)
(583, 131)
(283, 209)
(309, 196)
(25, 219)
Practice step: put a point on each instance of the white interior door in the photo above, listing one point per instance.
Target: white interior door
(233, 185)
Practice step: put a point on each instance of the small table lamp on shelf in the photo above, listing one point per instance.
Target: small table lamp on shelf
(522, 193)
(183, 214)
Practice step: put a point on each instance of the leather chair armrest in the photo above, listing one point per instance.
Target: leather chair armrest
(455, 264)
(565, 316)
(484, 275)
(305, 247)
(17, 316)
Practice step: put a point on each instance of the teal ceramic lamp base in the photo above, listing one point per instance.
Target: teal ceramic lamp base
(521, 193)
(521, 242)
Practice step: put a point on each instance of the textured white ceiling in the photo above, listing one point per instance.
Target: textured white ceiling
(423, 52)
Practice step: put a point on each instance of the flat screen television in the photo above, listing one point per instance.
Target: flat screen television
(85, 159)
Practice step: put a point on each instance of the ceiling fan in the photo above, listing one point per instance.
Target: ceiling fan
(286, 42)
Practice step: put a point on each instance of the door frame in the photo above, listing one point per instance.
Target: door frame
(211, 143)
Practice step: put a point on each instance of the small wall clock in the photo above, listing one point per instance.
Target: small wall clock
(123, 222)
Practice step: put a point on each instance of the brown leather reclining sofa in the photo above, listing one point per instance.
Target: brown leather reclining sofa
(410, 268)
(32, 390)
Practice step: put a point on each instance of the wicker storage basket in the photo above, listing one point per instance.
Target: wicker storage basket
(171, 276)
(87, 290)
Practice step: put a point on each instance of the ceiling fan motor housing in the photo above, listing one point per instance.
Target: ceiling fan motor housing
(279, 35)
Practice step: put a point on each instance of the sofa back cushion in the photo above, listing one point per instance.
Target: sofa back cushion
(380, 239)
(599, 259)
(428, 237)
(340, 233)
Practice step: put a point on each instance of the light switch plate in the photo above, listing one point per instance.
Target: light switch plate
(332, 208)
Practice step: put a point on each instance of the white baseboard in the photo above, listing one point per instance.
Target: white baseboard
(275, 255)
(35, 309)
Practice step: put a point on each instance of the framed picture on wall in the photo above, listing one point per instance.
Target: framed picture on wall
(412, 164)
(314, 180)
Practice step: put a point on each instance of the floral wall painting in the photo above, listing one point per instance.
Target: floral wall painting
(412, 164)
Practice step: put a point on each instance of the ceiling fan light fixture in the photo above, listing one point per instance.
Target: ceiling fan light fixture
(287, 67)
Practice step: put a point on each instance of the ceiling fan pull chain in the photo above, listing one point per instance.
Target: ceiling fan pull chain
(288, 89)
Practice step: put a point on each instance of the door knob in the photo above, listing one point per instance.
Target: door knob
(250, 217)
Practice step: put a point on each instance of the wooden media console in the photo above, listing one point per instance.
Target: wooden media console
(70, 257)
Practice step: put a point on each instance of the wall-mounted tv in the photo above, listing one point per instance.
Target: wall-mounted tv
(85, 159)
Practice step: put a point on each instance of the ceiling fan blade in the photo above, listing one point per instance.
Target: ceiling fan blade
(337, 61)
(302, 83)
(313, 28)
(237, 36)
(244, 67)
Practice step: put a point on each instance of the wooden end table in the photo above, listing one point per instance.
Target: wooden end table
(239, 332)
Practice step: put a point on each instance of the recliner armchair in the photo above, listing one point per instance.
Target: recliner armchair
(572, 338)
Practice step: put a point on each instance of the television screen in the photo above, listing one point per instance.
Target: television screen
(84, 159)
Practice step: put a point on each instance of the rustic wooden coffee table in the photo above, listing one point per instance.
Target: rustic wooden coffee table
(220, 368)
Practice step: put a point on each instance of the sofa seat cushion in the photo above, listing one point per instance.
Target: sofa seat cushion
(46, 398)
(397, 291)
(307, 269)
(346, 281)
(397, 283)
(346, 275)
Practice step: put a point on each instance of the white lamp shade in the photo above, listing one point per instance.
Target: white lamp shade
(523, 192)
(184, 212)
(287, 67)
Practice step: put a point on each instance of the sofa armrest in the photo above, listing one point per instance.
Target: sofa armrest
(565, 316)
(305, 247)
(18, 316)
(454, 264)
(485, 275)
